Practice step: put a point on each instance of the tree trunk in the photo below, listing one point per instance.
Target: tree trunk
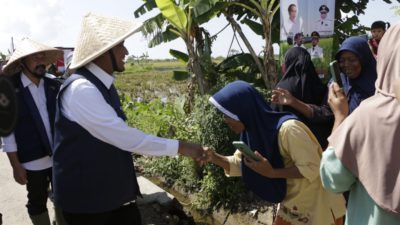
(260, 67)
(269, 60)
(194, 66)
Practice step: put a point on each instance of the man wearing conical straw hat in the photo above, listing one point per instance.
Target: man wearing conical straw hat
(95, 181)
(29, 147)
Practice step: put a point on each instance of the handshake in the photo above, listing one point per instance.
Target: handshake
(202, 155)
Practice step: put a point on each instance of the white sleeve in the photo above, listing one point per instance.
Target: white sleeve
(8, 143)
(83, 103)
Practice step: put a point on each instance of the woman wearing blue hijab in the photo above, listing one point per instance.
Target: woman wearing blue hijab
(358, 73)
(358, 70)
(289, 154)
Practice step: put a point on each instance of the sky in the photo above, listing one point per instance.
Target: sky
(57, 23)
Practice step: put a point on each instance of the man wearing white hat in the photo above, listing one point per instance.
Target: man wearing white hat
(29, 147)
(94, 177)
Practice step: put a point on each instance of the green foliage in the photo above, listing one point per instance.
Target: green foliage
(183, 57)
(181, 75)
(240, 66)
(174, 14)
(209, 186)
(348, 26)
(255, 26)
(396, 10)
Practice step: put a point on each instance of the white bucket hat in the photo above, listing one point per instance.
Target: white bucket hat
(99, 34)
(29, 47)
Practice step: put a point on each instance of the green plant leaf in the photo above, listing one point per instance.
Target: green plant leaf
(235, 61)
(161, 37)
(180, 75)
(146, 7)
(202, 6)
(256, 27)
(175, 15)
(183, 57)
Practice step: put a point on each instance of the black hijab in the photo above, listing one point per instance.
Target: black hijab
(300, 78)
(302, 81)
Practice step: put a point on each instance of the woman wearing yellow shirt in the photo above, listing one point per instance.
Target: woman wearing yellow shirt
(288, 169)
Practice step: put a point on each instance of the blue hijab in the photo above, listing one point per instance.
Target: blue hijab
(364, 85)
(240, 101)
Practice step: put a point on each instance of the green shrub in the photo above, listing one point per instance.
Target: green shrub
(208, 186)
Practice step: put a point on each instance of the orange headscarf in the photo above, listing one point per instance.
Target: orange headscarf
(368, 141)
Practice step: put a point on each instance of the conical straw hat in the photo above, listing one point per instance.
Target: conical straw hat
(99, 34)
(29, 47)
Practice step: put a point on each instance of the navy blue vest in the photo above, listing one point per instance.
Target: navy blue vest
(30, 133)
(270, 189)
(89, 175)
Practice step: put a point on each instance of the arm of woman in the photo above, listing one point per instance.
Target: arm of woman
(334, 176)
(282, 96)
(298, 143)
(230, 164)
(264, 167)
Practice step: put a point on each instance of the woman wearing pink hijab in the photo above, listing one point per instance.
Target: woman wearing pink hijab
(364, 151)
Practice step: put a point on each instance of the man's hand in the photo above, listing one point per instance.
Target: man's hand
(282, 96)
(20, 175)
(338, 101)
(263, 167)
(194, 151)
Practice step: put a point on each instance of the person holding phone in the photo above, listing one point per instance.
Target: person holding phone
(358, 75)
(358, 70)
(289, 154)
(363, 151)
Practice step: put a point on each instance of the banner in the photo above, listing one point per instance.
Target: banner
(308, 24)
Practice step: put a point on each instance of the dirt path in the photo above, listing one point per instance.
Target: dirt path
(157, 206)
(13, 196)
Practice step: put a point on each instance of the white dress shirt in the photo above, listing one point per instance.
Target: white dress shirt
(324, 27)
(291, 28)
(84, 104)
(316, 52)
(39, 97)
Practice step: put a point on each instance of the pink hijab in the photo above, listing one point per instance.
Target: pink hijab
(368, 141)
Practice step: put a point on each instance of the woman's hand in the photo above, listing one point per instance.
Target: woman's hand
(263, 167)
(208, 155)
(338, 101)
(282, 96)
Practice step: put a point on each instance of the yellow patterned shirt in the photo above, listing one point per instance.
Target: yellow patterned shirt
(306, 201)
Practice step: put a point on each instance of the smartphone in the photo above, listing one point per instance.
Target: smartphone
(242, 147)
(335, 72)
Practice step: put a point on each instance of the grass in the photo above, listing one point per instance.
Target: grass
(148, 81)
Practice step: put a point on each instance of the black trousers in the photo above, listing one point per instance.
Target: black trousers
(38, 187)
(125, 215)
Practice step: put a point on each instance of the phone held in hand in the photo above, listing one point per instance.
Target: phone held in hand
(335, 72)
(243, 148)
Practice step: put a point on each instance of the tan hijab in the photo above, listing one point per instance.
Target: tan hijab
(368, 141)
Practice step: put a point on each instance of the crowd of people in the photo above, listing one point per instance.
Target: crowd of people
(313, 142)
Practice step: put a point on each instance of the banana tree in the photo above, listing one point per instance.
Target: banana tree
(257, 15)
(182, 19)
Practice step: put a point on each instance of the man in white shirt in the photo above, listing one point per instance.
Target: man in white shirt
(94, 177)
(298, 40)
(324, 25)
(315, 51)
(292, 25)
(29, 147)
